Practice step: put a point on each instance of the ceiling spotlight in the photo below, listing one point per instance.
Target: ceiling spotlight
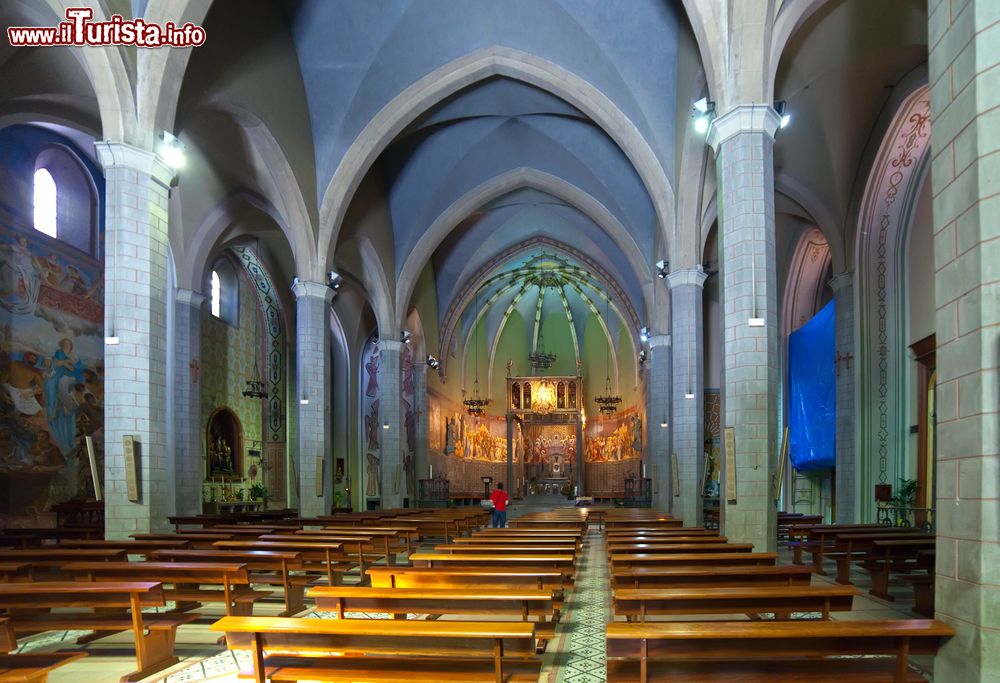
(642, 356)
(661, 269)
(407, 337)
(781, 108)
(432, 362)
(171, 150)
(644, 335)
(334, 280)
(295, 282)
(702, 112)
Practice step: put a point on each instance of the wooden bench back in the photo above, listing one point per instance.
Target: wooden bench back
(47, 594)
(231, 573)
(468, 577)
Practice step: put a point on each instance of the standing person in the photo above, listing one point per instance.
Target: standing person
(500, 500)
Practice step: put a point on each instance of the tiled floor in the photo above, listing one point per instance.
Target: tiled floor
(577, 655)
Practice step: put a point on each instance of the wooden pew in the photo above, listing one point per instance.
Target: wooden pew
(886, 557)
(31, 668)
(923, 584)
(445, 560)
(496, 578)
(818, 539)
(682, 559)
(199, 540)
(661, 548)
(511, 548)
(268, 567)
(753, 600)
(853, 547)
(525, 604)
(358, 547)
(704, 576)
(404, 536)
(134, 547)
(325, 559)
(379, 650)
(105, 613)
(36, 536)
(770, 651)
(388, 542)
(524, 541)
(11, 571)
(187, 579)
(49, 562)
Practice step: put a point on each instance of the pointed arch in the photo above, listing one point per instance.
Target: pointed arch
(477, 66)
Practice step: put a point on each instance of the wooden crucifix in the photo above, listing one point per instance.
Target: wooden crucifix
(843, 358)
(194, 370)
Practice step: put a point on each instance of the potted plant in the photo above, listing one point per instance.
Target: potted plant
(905, 497)
(259, 492)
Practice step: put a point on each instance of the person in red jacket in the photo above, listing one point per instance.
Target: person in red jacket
(500, 500)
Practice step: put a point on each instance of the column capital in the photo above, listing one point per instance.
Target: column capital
(842, 281)
(189, 297)
(123, 155)
(659, 340)
(743, 118)
(305, 289)
(687, 276)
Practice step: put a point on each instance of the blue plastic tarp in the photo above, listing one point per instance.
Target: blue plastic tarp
(812, 394)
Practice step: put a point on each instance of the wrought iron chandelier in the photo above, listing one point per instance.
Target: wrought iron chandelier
(539, 358)
(607, 402)
(255, 386)
(476, 405)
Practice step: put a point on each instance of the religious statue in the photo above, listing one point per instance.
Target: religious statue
(449, 436)
(372, 474)
(636, 434)
(222, 457)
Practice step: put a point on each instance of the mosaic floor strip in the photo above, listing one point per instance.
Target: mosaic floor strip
(584, 659)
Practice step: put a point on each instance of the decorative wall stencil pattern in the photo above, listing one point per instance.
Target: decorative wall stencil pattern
(274, 341)
(883, 225)
(227, 360)
(51, 371)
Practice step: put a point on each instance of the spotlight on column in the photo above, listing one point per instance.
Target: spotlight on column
(642, 356)
(432, 362)
(303, 401)
(662, 269)
(664, 424)
(171, 150)
(112, 341)
(689, 395)
(781, 107)
(295, 281)
(407, 337)
(385, 425)
(333, 280)
(702, 112)
(755, 322)
(644, 335)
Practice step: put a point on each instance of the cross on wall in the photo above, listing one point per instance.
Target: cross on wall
(194, 370)
(843, 358)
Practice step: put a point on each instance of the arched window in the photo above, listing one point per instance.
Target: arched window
(216, 294)
(45, 203)
(224, 291)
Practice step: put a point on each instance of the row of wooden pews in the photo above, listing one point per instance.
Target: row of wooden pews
(73, 581)
(660, 571)
(492, 599)
(885, 552)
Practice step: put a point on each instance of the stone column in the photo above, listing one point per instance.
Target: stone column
(421, 461)
(966, 188)
(688, 390)
(657, 412)
(135, 360)
(843, 292)
(188, 434)
(312, 363)
(743, 140)
(390, 413)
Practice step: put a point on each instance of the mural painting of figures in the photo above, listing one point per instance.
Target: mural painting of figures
(51, 371)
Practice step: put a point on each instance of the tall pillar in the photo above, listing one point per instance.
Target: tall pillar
(137, 189)
(966, 190)
(846, 474)
(391, 415)
(421, 461)
(687, 288)
(743, 140)
(657, 413)
(312, 363)
(189, 461)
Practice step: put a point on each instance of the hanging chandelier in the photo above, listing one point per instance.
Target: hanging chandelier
(607, 402)
(255, 386)
(539, 358)
(543, 399)
(476, 405)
